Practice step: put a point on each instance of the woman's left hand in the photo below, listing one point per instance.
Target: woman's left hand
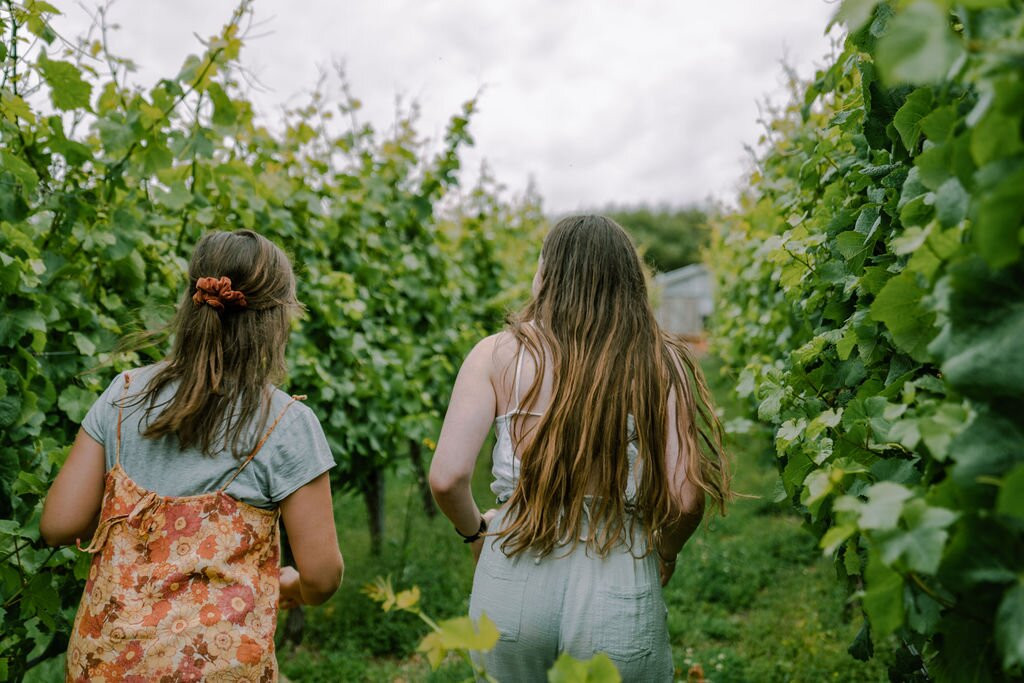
(666, 569)
(478, 545)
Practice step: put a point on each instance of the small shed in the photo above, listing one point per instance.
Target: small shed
(683, 298)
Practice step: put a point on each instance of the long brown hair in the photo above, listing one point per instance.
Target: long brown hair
(225, 356)
(591, 320)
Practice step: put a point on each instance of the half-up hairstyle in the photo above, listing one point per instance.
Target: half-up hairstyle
(230, 333)
(592, 323)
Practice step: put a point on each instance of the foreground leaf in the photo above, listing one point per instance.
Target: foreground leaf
(918, 46)
(598, 669)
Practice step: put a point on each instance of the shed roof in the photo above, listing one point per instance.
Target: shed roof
(695, 277)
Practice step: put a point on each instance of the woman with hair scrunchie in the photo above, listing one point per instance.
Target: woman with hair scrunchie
(178, 480)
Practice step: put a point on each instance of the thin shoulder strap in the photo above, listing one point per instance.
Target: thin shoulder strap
(515, 382)
(517, 410)
(261, 442)
(120, 415)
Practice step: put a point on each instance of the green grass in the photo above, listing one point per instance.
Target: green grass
(752, 598)
(350, 638)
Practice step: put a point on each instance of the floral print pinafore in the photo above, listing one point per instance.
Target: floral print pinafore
(181, 588)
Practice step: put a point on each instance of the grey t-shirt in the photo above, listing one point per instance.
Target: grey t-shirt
(295, 453)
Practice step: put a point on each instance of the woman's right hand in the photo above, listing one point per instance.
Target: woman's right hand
(291, 590)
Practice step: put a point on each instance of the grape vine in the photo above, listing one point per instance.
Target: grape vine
(871, 306)
(104, 187)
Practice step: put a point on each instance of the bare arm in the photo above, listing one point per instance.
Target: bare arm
(687, 496)
(308, 516)
(466, 425)
(72, 505)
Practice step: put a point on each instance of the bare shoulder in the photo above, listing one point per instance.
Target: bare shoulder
(482, 354)
(492, 354)
(504, 349)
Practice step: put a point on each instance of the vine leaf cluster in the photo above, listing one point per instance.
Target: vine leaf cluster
(871, 309)
(105, 187)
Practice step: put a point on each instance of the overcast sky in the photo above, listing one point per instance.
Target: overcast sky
(598, 101)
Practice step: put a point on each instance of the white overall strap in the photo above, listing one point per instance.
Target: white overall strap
(515, 382)
(516, 410)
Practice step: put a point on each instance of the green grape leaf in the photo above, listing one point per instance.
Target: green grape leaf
(862, 648)
(1010, 500)
(76, 401)
(84, 345)
(899, 305)
(994, 137)
(940, 123)
(999, 212)
(9, 527)
(884, 505)
(853, 14)
(224, 112)
(20, 170)
(462, 633)
(68, 90)
(923, 613)
(115, 135)
(919, 547)
(908, 118)
(14, 107)
(994, 122)
(883, 597)
(770, 405)
(951, 203)
(918, 46)
(597, 669)
(459, 633)
(935, 165)
(1010, 627)
(938, 429)
(988, 446)
(835, 537)
(10, 410)
(979, 347)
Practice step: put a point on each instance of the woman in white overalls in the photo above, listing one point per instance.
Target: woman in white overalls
(606, 447)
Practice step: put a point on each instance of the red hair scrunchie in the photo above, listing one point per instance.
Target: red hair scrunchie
(217, 293)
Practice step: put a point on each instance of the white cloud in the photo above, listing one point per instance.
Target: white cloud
(601, 101)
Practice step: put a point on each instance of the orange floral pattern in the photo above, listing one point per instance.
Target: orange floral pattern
(180, 589)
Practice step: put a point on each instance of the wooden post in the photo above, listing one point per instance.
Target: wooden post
(373, 495)
(426, 497)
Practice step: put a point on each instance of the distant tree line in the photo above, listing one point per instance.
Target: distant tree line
(669, 237)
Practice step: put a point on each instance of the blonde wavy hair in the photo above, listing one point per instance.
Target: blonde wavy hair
(591, 321)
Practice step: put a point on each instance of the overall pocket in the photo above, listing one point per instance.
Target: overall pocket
(498, 592)
(625, 621)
